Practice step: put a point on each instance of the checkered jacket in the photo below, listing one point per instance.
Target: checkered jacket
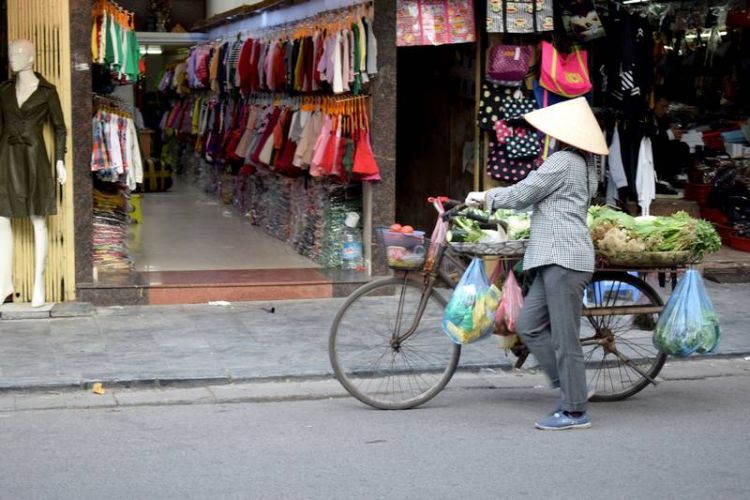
(558, 192)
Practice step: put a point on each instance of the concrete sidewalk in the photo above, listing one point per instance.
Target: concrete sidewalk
(204, 344)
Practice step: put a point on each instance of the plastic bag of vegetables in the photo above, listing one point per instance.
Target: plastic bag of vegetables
(688, 323)
(470, 313)
(508, 311)
(438, 234)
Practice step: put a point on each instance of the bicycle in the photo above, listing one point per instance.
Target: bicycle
(387, 348)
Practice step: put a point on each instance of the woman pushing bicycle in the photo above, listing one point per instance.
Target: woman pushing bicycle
(560, 252)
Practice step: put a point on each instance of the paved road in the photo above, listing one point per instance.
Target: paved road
(685, 439)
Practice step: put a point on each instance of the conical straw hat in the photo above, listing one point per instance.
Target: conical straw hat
(571, 122)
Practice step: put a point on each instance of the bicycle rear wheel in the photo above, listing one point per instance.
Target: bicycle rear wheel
(372, 360)
(622, 311)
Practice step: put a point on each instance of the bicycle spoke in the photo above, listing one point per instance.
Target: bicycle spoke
(392, 370)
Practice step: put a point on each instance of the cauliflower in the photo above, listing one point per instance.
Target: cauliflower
(609, 239)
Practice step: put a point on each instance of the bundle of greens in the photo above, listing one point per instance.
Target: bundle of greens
(680, 232)
(614, 232)
(509, 226)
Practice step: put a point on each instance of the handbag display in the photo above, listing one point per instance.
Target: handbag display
(508, 64)
(516, 105)
(434, 22)
(523, 145)
(519, 16)
(564, 74)
(502, 168)
(503, 130)
(490, 106)
(580, 20)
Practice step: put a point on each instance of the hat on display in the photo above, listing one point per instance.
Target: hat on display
(571, 122)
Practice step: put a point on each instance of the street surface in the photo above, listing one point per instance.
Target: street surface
(685, 439)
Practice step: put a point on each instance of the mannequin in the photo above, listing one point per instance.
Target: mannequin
(26, 184)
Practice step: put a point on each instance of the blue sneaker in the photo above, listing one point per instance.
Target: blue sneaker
(589, 394)
(560, 421)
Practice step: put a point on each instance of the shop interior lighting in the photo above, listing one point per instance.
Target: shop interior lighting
(704, 35)
(629, 2)
(150, 49)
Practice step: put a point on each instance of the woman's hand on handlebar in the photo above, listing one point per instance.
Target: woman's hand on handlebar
(475, 199)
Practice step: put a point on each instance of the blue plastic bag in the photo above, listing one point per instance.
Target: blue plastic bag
(689, 323)
(470, 314)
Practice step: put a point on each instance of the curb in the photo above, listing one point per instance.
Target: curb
(196, 382)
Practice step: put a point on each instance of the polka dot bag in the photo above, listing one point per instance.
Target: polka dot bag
(490, 106)
(502, 168)
(523, 145)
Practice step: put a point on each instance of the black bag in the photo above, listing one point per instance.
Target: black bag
(581, 21)
(490, 106)
(502, 168)
(523, 146)
(515, 106)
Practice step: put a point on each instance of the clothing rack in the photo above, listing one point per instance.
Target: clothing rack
(123, 16)
(112, 105)
(330, 19)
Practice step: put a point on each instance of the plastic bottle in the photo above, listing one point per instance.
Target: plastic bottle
(351, 243)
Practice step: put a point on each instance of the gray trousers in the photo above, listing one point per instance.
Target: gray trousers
(550, 325)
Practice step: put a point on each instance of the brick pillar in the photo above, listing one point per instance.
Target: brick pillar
(384, 120)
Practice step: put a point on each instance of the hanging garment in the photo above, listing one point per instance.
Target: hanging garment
(364, 160)
(645, 177)
(338, 77)
(617, 178)
(328, 161)
(133, 157)
(372, 49)
(306, 148)
(319, 150)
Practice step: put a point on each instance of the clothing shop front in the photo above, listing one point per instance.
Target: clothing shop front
(245, 159)
(668, 82)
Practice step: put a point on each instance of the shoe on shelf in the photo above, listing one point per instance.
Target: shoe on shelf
(663, 187)
(560, 421)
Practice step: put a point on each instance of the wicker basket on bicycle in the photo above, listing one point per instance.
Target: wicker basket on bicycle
(509, 248)
(644, 259)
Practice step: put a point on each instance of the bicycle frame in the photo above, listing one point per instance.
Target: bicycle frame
(430, 279)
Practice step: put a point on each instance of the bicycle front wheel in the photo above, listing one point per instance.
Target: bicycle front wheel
(374, 358)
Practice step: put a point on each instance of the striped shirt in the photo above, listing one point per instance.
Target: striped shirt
(559, 192)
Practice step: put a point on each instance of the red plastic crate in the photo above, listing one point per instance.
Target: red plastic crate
(714, 215)
(724, 232)
(697, 192)
(739, 243)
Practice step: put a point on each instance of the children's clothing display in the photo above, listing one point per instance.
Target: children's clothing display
(322, 137)
(113, 41)
(322, 56)
(276, 123)
(110, 228)
(115, 153)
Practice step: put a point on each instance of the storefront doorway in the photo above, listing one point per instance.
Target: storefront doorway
(435, 130)
(206, 224)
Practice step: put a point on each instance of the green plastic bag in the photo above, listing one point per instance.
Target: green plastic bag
(470, 313)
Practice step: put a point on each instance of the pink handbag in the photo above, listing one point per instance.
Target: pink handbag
(508, 64)
(565, 74)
